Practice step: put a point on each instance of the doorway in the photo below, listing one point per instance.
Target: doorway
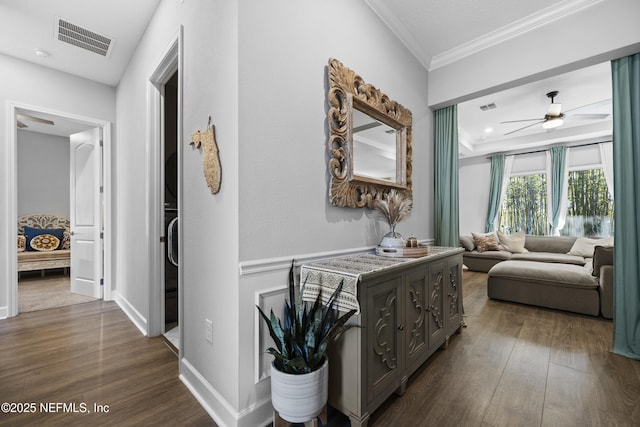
(101, 200)
(170, 209)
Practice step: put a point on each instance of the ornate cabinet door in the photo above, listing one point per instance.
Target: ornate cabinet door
(436, 304)
(454, 294)
(383, 320)
(416, 331)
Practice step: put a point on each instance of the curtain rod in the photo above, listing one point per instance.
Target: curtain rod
(546, 149)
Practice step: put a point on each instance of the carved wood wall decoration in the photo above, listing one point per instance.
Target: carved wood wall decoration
(211, 160)
(346, 189)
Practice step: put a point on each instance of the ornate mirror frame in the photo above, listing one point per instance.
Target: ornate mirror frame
(347, 91)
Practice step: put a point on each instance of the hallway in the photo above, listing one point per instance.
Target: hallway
(72, 358)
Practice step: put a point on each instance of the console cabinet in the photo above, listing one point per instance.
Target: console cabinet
(406, 313)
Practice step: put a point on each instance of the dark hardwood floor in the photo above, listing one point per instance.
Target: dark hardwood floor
(88, 354)
(514, 365)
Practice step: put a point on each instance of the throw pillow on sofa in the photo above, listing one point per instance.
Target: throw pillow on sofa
(30, 233)
(585, 246)
(602, 255)
(467, 243)
(486, 242)
(513, 243)
(22, 243)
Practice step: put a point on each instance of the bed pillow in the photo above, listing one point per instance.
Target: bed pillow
(584, 246)
(513, 243)
(45, 243)
(30, 233)
(486, 242)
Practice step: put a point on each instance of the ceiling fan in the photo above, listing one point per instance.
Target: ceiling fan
(555, 117)
(24, 117)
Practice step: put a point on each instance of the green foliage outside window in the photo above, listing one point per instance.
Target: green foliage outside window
(525, 205)
(590, 208)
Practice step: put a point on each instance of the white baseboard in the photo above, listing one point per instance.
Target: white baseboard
(4, 312)
(131, 312)
(222, 412)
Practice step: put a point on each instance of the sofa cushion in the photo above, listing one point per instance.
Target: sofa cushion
(500, 255)
(584, 246)
(30, 233)
(513, 243)
(565, 275)
(550, 257)
(556, 244)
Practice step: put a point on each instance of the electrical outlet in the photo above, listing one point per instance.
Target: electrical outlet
(209, 330)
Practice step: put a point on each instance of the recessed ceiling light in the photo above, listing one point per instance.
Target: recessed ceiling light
(488, 130)
(41, 53)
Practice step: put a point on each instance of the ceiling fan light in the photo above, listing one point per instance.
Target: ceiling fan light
(552, 123)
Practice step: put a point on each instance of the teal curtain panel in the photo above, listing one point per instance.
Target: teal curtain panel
(558, 192)
(446, 209)
(495, 190)
(626, 178)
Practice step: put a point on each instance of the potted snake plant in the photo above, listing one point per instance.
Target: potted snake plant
(299, 370)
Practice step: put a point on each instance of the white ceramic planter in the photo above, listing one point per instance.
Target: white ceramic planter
(299, 398)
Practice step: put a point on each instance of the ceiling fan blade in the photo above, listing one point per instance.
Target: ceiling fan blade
(593, 105)
(22, 125)
(587, 116)
(35, 119)
(523, 128)
(523, 120)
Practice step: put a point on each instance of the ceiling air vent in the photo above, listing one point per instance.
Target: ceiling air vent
(83, 38)
(486, 107)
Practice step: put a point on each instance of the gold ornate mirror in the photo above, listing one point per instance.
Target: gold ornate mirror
(369, 141)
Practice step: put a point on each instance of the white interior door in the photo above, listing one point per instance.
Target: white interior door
(85, 217)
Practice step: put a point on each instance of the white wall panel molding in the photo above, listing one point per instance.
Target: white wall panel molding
(272, 264)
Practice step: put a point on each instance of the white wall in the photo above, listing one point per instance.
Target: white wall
(263, 81)
(209, 224)
(43, 174)
(599, 33)
(28, 84)
(284, 205)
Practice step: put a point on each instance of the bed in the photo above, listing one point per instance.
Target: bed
(43, 243)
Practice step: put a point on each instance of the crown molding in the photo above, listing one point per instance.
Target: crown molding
(503, 34)
(385, 12)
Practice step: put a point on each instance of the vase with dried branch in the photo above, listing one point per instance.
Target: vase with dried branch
(393, 207)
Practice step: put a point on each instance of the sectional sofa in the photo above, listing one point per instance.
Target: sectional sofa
(558, 272)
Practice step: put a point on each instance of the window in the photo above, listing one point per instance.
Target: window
(525, 205)
(590, 207)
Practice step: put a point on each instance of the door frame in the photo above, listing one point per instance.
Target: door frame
(170, 61)
(11, 190)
